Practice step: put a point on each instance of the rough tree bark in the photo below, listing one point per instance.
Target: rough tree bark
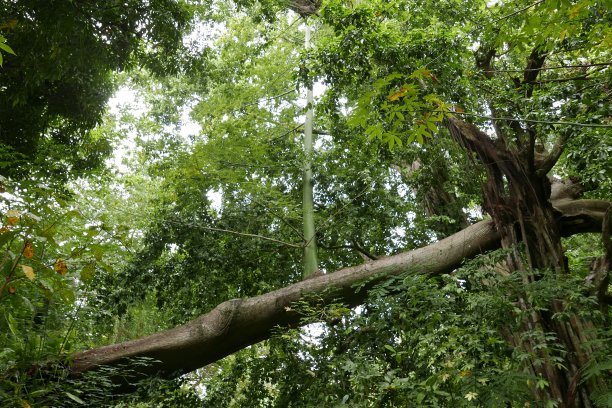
(238, 323)
(516, 195)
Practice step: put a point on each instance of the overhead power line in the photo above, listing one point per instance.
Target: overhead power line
(548, 122)
(598, 64)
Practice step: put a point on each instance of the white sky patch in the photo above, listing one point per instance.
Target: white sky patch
(189, 128)
(123, 101)
(398, 235)
(321, 141)
(126, 101)
(345, 107)
(216, 199)
(474, 212)
(204, 35)
(312, 332)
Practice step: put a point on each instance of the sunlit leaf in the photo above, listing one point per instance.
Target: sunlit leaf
(12, 217)
(471, 396)
(12, 323)
(396, 95)
(75, 398)
(421, 72)
(28, 271)
(6, 48)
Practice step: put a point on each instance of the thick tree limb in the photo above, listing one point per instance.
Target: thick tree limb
(238, 323)
(547, 163)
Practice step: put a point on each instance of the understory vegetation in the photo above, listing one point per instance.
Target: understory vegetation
(386, 203)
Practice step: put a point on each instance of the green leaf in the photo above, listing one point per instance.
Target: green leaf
(88, 272)
(6, 237)
(49, 231)
(12, 323)
(6, 48)
(432, 126)
(75, 398)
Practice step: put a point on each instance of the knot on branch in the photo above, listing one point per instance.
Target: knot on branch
(565, 189)
(305, 8)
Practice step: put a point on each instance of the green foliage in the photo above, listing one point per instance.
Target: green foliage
(394, 71)
(194, 256)
(431, 342)
(157, 393)
(201, 218)
(38, 288)
(4, 47)
(51, 254)
(415, 115)
(55, 90)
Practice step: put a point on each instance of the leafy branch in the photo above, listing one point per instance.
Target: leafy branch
(4, 47)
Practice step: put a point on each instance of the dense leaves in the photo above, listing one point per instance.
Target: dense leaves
(207, 204)
(429, 342)
(54, 90)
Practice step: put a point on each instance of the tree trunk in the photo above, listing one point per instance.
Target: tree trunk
(310, 239)
(517, 195)
(238, 323)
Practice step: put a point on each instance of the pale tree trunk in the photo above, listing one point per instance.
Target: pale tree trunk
(310, 239)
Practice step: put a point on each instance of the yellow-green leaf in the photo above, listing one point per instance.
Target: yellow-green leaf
(28, 271)
(12, 217)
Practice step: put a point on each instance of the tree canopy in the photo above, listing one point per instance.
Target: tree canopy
(462, 171)
(56, 84)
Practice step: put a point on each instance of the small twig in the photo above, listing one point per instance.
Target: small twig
(601, 64)
(9, 277)
(355, 246)
(585, 77)
(244, 234)
(361, 249)
(281, 217)
(548, 122)
(516, 12)
(72, 324)
(259, 166)
(338, 212)
(268, 98)
(274, 139)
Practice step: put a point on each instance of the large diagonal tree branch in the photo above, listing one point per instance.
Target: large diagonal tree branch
(238, 323)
